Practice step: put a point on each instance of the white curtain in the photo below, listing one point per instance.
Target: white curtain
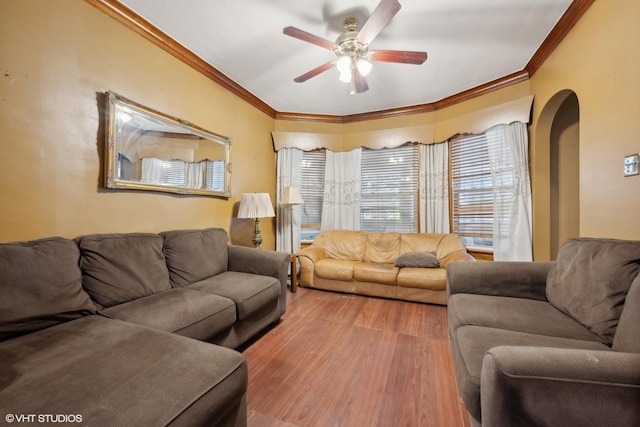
(434, 188)
(195, 174)
(151, 170)
(164, 172)
(341, 201)
(509, 160)
(289, 174)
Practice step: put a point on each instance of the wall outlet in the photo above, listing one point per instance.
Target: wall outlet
(631, 164)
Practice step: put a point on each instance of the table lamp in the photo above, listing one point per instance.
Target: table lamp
(256, 206)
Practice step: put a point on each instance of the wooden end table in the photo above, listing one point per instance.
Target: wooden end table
(294, 272)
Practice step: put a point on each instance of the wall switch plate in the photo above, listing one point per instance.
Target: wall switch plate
(631, 164)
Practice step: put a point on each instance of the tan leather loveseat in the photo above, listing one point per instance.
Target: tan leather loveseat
(365, 263)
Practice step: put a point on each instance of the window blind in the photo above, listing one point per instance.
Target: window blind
(472, 191)
(214, 174)
(164, 172)
(312, 192)
(389, 193)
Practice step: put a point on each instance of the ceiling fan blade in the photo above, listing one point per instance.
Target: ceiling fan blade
(401, 56)
(380, 18)
(321, 69)
(309, 38)
(359, 81)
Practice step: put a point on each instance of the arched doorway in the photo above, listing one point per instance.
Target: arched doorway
(559, 127)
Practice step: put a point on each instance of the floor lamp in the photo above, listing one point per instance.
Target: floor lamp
(291, 198)
(256, 206)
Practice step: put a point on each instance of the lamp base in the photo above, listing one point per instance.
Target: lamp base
(257, 238)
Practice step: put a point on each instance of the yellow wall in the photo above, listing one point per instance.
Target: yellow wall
(565, 174)
(475, 115)
(599, 62)
(57, 57)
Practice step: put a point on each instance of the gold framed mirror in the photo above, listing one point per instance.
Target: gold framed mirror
(149, 150)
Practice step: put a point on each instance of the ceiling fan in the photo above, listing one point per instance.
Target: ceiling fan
(352, 48)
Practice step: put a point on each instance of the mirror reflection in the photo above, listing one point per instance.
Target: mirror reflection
(148, 150)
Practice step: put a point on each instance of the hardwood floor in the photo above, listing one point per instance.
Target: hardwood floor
(348, 360)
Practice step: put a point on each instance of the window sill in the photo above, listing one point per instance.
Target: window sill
(480, 255)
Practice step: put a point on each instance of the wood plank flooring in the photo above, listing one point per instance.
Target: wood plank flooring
(348, 360)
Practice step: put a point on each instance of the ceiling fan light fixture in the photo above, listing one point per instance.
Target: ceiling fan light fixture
(354, 60)
(364, 66)
(344, 64)
(345, 76)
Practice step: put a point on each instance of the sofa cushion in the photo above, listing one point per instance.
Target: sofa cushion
(250, 292)
(118, 268)
(515, 314)
(382, 247)
(417, 259)
(343, 244)
(627, 336)
(433, 279)
(470, 343)
(590, 281)
(194, 314)
(336, 269)
(116, 373)
(420, 242)
(374, 272)
(194, 255)
(40, 286)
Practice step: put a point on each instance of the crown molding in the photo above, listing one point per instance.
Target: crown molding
(558, 33)
(130, 19)
(135, 22)
(494, 85)
(304, 117)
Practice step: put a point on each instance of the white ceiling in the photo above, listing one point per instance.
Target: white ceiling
(469, 43)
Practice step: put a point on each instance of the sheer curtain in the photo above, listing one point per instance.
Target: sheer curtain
(164, 172)
(289, 174)
(508, 156)
(434, 188)
(194, 174)
(341, 204)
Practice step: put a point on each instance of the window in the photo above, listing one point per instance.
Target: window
(164, 172)
(312, 191)
(472, 192)
(208, 174)
(214, 174)
(389, 192)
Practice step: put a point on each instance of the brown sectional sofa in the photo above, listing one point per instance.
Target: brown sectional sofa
(120, 329)
(390, 265)
(550, 343)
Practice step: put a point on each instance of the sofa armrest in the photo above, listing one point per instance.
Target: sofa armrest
(510, 279)
(559, 387)
(261, 261)
(308, 257)
(258, 261)
(456, 257)
(313, 253)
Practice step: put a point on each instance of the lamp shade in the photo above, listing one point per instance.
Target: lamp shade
(291, 197)
(255, 205)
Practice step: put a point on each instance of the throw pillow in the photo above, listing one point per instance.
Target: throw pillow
(590, 281)
(122, 267)
(194, 255)
(40, 286)
(418, 259)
